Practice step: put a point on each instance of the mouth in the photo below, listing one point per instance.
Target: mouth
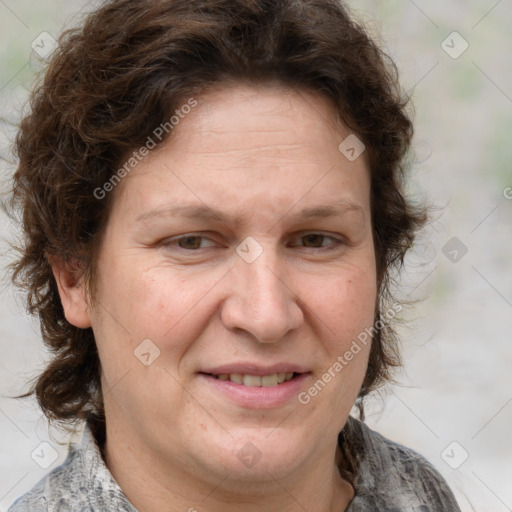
(257, 387)
(253, 385)
(256, 381)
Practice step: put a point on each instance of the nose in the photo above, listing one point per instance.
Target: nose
(260, 300)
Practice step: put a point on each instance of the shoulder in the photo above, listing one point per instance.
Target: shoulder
(38, 498)
(82, 482)
(393, 477)
(32, 501)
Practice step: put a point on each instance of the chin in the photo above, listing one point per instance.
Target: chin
(256, 455)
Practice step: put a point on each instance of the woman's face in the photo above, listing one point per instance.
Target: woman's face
(242, 246)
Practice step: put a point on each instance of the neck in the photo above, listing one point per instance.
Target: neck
(154, 483)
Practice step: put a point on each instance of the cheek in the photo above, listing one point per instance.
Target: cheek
(345, 304)
(146, 299)
(168, 301)
(144, 304)
(346, 309)
(168, 307)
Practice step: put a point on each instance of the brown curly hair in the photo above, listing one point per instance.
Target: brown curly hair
(112, 81)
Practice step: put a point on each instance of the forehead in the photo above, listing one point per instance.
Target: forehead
(275, 118)
(251, 147)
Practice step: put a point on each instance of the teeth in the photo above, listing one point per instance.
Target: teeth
(269, 380)
(252, 381)
(266, 381)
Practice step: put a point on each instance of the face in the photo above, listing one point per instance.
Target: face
(239, 250)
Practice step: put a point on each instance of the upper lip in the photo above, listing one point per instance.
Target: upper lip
(255, 369)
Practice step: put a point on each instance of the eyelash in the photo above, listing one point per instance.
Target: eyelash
(336, 242)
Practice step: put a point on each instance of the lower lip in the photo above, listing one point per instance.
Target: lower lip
(258, 397)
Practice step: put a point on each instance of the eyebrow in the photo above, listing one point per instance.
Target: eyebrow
(207, 213)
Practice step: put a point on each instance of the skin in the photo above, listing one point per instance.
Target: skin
(262, 154)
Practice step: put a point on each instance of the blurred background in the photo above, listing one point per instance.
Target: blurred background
(453, 402)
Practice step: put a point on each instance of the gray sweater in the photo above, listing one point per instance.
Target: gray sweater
(391, 478)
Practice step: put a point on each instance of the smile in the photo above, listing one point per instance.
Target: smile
(255, 381)
(257, 391)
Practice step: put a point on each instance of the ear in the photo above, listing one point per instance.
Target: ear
(72, 291)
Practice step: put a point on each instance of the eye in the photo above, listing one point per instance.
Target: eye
(188, 242)
(313, 240)
(320, 241)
